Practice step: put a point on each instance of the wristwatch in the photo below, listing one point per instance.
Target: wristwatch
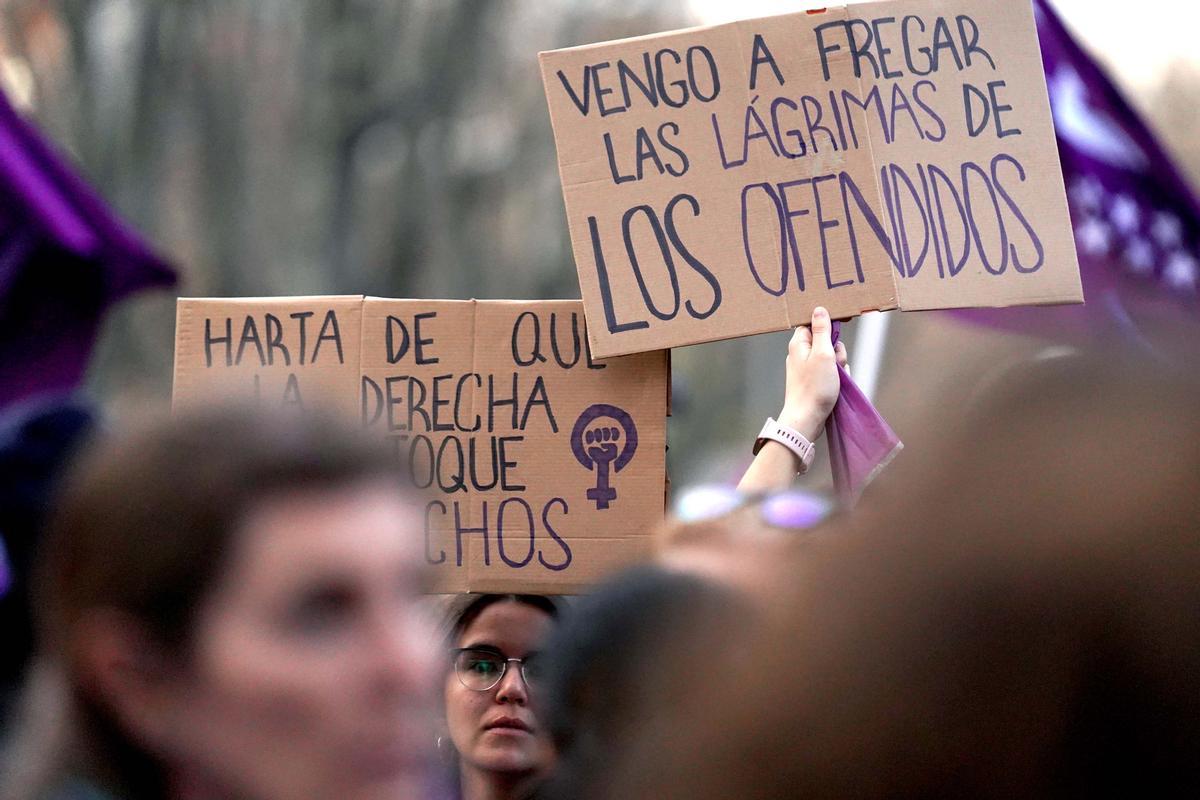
(789, 438)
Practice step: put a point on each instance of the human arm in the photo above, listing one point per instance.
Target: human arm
(810, 393)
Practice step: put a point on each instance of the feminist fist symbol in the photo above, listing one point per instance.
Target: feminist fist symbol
(600, 447)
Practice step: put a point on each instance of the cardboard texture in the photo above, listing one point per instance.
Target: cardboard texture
(544, 469)
(725, 180)
(281, 351)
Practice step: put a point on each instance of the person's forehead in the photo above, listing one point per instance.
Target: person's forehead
(357, 524)
(512, 626)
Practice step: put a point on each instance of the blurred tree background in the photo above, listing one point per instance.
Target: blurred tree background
(396, 148)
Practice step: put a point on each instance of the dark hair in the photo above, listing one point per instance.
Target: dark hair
(462, 615)
(472, 605)
(144, 526)
(609, 664)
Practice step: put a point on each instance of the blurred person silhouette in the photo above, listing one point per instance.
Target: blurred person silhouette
(37, 439)
(1013, 615)
(495, 739)
(740, 540)
(648, 630)
(226, 608)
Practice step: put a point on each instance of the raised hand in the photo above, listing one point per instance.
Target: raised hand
(811, 386)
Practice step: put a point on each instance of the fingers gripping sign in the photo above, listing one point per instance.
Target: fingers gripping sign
(811, 386)
(811, 389)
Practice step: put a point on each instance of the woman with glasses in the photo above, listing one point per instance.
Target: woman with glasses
(497, 741)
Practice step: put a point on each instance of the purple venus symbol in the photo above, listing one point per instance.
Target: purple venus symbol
(604, 439)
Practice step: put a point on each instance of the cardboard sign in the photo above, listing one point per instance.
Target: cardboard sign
(544, 469)
(278, 351)
(725, 180)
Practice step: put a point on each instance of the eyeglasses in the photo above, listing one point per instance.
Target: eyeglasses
(482, 670)
(793, 509)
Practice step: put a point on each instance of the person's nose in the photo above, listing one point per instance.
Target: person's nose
(512, 688)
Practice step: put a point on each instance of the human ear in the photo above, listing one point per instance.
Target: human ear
(126, 672)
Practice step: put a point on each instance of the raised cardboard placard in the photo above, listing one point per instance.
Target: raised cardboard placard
(278, 351)
(725, 180)
(544, 469)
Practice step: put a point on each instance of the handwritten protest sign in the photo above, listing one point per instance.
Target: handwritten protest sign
(279, 351)
(725, 180)
(544, 468)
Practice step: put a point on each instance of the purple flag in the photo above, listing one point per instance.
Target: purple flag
(64, 259)
(1136, 219)
(861, 443)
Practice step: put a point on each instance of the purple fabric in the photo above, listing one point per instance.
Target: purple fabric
(861, 443)
(1136, 219)
(64, 259)
(5, 570)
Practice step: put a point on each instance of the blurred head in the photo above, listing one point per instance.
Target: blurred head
(1013, 616)
(228, 601)
(739, 540)
(492, 702)
(633, 647)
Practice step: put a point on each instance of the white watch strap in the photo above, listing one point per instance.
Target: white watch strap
(791, 439)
